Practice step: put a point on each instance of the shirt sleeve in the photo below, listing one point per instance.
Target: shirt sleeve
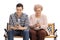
(31, 21)
(45, 24)
(26, 22)
(10, 21)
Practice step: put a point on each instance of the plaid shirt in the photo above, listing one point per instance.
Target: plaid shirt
(24, 22)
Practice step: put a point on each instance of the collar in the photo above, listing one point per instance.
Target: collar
(17, 15)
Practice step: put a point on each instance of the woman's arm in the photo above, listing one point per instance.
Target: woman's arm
(45, 24)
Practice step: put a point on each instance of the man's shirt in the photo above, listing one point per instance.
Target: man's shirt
(22, 20)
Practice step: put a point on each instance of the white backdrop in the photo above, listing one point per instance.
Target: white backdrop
(51, 8)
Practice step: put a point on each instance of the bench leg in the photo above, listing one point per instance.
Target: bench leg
(55, 38)
(6, 38)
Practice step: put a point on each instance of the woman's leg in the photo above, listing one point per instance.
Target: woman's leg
(41, 34)
(33, 34)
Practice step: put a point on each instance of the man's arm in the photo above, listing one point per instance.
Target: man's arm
(26, 25)
(10, 21)
(11, 24)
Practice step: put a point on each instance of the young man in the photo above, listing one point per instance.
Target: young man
(18, 24)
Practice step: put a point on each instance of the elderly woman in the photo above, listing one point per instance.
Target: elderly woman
(38, 24)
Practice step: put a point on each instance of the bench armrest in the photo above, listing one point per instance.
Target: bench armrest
(55, 30)
(5, 30)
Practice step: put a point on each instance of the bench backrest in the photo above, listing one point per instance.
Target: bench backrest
(51, 28)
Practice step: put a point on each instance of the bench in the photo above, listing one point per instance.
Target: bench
(51, 29)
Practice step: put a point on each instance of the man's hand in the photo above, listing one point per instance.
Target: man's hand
(14, 28)
(22, 28)
(17, 28)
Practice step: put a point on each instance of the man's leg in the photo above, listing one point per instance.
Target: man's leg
(10, 34)
(33, 34)
(41, 34)
(26, 35)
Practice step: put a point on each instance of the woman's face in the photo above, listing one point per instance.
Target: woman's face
(38, 11)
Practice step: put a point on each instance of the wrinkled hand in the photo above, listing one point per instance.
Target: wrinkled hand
(37, 25)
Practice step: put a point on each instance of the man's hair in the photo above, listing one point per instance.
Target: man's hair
(19, 5)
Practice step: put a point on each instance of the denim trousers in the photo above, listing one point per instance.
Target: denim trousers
(12, 33)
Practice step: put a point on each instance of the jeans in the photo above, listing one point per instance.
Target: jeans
(24, 33)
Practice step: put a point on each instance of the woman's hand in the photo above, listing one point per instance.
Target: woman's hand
(37, 25)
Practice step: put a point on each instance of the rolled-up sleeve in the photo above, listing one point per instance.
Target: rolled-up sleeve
(26, 22)
(10, 21)
(31, 22)
(45, 24)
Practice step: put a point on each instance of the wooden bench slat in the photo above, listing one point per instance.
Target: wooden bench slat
(50, 36)
(22, 36)
(18, 36)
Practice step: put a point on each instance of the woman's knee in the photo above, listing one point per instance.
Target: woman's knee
(42, 32)
(32, 32)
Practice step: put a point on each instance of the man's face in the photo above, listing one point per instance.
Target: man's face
(38, 11)
(19, 10)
